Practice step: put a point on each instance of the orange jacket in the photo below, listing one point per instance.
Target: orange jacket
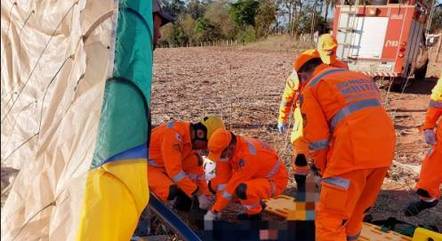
(291, 92)
(344, 122)
(435, 109)
(170, 147)
(252, 159)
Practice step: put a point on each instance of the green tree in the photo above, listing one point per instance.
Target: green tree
(243, 12)
(196, 9)
(205, 31)
(189, 24)
(247, 35)
(265, 17)
(217, 13)
(436, 20)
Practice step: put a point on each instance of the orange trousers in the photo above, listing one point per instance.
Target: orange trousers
(263, 188)
(343, 202)
(299, 146)
(160, 182)
(430, 178)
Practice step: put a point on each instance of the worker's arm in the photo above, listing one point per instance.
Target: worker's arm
(223, 173)
(245, 173)
(171, 149)
(316, 130)
(435, 108)
(288, 97)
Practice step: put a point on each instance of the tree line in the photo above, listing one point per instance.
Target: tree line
(247, 20)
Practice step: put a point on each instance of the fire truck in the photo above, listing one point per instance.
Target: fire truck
(383, 38)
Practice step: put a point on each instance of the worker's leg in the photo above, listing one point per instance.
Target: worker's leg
(337, 201)
(159, 182)
(300, 165)
(430, 180)
(430, 177)
(252, 192)
(373, 183)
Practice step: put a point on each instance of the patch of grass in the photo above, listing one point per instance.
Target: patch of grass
(280, 43)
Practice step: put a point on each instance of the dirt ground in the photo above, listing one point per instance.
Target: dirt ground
(244, 87)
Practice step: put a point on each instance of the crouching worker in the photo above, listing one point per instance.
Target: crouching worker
(175, 170)
(247, 169)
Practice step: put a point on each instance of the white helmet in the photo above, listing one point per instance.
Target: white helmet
(209, 168)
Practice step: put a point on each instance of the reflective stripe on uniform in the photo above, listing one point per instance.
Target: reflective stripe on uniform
(170, 123)
(178, 177)
(227, 195)
(435, 104)
(316, 79)
(223, 159)
(153, 163)
(337, 181)
(252, 206)
(351, 108)
(318, 145)
(195, 177)
(353, 237)
(274, 169)
(252, 148)
(221, 187)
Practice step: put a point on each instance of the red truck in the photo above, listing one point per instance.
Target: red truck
(384, 38)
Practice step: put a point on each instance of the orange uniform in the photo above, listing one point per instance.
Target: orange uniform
(351, 140)
(290, 102)
(172, 160)
(255, 168)
(431, 173)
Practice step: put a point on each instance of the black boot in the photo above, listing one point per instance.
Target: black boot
(182, 202)
(300, 187)
(415, 208)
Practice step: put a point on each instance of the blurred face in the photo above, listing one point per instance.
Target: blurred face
(305, 76)
(157, 25)
(227, 154)
(199, 139)
(199, 145)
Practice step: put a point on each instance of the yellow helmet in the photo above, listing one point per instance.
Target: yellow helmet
(212, 123)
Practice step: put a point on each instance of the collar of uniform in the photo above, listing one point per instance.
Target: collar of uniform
(319, 70)
(240, 149)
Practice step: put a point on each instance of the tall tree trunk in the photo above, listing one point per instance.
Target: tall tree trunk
(327, 6)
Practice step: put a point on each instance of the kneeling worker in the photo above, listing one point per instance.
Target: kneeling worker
(175, 170)
(246, 168)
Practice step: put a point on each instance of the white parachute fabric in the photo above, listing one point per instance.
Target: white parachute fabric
(55, 59)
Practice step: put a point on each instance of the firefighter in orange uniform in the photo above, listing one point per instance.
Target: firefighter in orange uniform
(326, 50)
(246, 168)
(428, 187)
(175, 170)
(351, 141)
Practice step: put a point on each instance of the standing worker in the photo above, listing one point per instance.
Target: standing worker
(351, 141)
(175, 170)
(428, 186)
(246, 168)
(326, 50)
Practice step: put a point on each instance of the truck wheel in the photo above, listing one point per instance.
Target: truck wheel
(419, 73)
